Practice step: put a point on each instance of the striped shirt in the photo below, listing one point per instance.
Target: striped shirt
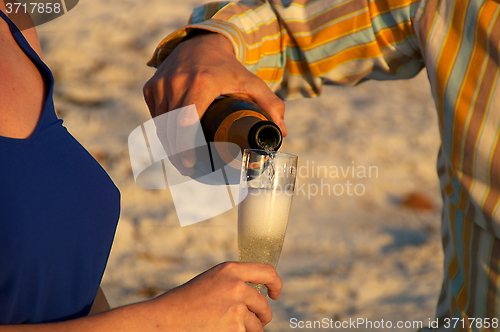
(297, 45)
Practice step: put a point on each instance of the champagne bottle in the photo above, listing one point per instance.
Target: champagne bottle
(231, 125)
(241, 122)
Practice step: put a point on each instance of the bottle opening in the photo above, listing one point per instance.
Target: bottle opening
(265, 135)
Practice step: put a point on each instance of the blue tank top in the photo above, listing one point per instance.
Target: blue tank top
(58, 215)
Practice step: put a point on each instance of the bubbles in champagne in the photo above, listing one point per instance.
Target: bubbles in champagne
(263, 217)
(264, 212)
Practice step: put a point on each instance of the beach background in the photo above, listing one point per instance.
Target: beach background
(373, 253)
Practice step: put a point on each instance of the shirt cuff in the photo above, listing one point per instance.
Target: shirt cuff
(228, 30)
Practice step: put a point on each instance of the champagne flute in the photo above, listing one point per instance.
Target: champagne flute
(268, 181)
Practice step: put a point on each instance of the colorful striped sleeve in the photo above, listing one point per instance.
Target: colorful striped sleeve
(460, 42)
(295, 46)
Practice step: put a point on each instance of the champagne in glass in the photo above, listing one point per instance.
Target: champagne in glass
(269, 179)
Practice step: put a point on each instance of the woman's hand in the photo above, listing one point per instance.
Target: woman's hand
(219, 300)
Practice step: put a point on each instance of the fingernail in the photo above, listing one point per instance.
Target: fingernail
(187, 163)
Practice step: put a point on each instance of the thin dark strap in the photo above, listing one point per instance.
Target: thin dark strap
(48, 114)
(26, 47)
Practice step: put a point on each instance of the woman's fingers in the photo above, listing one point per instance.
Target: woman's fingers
(252, 323)
(257, 303)
(262, 274)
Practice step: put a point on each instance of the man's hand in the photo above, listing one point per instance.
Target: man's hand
(219, 300)
(198, 71)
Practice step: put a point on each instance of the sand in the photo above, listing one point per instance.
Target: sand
(352, 250)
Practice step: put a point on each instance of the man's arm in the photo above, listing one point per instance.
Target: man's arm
(296, 45)
(262, 47)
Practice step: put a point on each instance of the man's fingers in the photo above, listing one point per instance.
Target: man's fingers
(271, 103)
(150, 99)
(161, 119)
(188, 126)
(194, 105)
(171, 143)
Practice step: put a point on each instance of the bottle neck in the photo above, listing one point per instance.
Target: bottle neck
(265, 135)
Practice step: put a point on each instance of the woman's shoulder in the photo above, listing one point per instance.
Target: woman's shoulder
(22, 89)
